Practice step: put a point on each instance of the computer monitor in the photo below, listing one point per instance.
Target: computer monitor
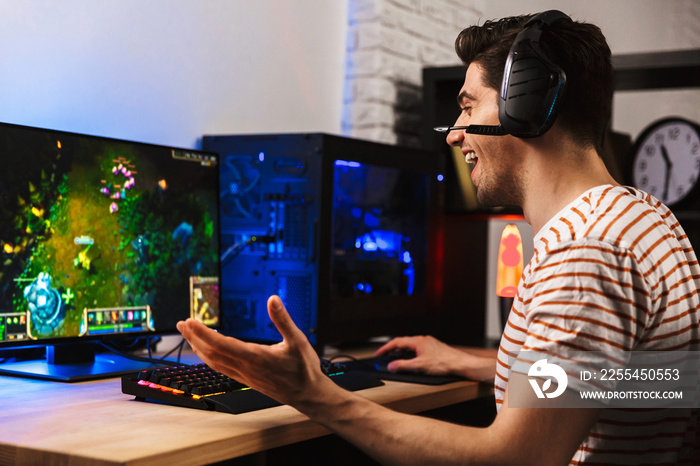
(345, 231)
(101, 239)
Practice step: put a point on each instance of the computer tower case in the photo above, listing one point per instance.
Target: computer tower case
(345, 231)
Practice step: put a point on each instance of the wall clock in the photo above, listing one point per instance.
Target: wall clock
(666, 161)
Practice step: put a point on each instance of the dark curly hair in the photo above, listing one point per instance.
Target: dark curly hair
(579, 48)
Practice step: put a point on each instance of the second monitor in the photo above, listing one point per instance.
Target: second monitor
(343, 230)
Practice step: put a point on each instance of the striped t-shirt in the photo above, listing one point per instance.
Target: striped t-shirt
(613, 270)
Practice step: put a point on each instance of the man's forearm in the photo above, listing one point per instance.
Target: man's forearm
(481, 352)
(523, 436)
(396, 438)
(479, 364)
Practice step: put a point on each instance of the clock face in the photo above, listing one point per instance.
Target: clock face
(667, 160)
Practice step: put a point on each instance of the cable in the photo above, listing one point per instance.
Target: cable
(236, 248)
(140, 358)
(179, 352)
(178, 347)
(239, 247)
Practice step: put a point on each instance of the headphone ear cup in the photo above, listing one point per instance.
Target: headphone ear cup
(531, 94)
(533, 86)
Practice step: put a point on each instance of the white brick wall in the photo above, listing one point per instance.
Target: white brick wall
(389, 44)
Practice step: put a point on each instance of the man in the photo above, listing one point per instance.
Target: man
(611, 269)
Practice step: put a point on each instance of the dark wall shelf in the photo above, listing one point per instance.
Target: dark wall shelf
(657, 70)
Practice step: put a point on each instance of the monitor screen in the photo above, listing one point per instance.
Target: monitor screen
(104, 238)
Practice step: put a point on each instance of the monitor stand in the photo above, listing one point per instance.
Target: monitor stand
(75, 362)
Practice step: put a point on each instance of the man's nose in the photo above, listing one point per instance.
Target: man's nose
(455, 137)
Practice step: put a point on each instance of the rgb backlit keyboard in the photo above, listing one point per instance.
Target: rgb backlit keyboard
(199, 386)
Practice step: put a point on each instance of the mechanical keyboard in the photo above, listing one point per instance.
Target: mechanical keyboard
(198, 386)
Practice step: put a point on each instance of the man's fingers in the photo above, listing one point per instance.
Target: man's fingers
(207, 342)
(403, 365)
(195, 331)
(386, 348)
(219, 352)
(197, 335)
(397, 343)
(282, 320)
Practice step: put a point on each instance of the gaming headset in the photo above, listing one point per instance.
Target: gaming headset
(533, 86)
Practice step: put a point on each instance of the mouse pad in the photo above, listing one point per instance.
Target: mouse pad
(368, 365)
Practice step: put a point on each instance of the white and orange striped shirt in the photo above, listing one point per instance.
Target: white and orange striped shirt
(613, 270)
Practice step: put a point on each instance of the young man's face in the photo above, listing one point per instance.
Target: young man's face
(497, 171)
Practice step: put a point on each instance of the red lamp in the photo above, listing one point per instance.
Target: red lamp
(510, 268)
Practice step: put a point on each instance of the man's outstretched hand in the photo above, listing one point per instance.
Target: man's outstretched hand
(288, 371)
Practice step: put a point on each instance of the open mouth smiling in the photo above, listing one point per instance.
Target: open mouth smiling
(470, 157)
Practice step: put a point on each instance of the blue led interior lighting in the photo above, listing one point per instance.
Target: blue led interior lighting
(345, 163)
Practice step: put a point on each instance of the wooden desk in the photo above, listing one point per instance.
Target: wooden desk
(94, 423)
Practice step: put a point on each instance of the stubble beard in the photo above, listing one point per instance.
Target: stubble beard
(504, 190)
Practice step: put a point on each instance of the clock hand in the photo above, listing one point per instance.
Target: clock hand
(669, 166)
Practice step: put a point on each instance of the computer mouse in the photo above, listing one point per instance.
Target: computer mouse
(381, 362)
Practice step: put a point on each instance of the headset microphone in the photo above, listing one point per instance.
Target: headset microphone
(488, 130)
